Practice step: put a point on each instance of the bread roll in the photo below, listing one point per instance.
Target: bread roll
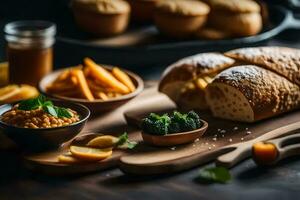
(184, 81)
(250, 93)
(240, 25)
(284, 61)
(237, 17)
(180, 18)
(101, 18)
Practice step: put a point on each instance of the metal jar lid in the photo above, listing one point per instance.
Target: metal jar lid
(30, 33)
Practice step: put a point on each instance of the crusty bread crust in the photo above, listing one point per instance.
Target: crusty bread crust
(187, 69)
(282, 60)
(268, 93)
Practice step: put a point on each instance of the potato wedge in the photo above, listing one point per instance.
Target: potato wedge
(83, 86)
(124, 78)
(103, 75)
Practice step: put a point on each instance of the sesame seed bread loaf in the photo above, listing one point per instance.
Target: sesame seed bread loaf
(250, 93)
(184, 81)
(282, 60)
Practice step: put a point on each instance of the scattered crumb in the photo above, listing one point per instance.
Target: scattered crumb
(242, 139)
(223, 131)
(230, 140)
(246, 128)
(248, 132)
(206, 143)
(173, 148)
(215, 135)
(235, 128)
(197, 140)
(214, 139)
(209, 148)
(223, 135)
(219, 129)
(213, 145)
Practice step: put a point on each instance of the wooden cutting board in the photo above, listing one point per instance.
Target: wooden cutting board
(146, 159)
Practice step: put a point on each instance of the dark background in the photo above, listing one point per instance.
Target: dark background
(249, 182)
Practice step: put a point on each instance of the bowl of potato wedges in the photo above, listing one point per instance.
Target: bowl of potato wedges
(99, 87)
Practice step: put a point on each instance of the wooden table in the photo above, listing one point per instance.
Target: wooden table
(249, 182)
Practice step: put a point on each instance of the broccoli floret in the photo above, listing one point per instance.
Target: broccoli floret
(174, 127)
(189, 124)
(148, 125)
(186, 122)
(153, 116)
(155, 124)
(192, 114)
(178, 122)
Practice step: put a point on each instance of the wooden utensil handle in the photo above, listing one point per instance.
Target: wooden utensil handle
(287, 146)
(230, 159)
(243, 150)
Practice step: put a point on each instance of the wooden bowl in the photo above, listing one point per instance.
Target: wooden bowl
(95, 106)
(175, 138)
(30, 139)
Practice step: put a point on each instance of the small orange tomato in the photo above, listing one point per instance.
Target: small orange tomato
(264, 153)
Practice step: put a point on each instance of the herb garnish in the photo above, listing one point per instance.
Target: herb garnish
(47, 106)
(124, 141)
(214, 174)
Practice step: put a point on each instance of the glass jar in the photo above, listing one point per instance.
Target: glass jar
(29, 50)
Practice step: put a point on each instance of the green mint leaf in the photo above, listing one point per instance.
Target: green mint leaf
(125, 142)
(63, 112)
(30, 104)
(41, 99)
(215, 174)
(131, 144)
(50, 110)
(48, 107)
(48, 103)
(122, 139)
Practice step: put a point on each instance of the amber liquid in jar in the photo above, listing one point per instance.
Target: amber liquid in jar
(29, 50)
(29, 65)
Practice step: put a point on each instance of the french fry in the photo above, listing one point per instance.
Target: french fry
(102, 96)
(86, 71)
(83, 86)
(101, 74)
(74, 80)
(124, 78)
(63, 76)
(94, 86)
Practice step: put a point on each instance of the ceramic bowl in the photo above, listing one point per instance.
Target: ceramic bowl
(30, 139)
(95, 106)
(175, 138)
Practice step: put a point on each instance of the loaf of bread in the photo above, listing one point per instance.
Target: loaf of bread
(249, 93)
(184, 82)
(245, 85)
(284, 61)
